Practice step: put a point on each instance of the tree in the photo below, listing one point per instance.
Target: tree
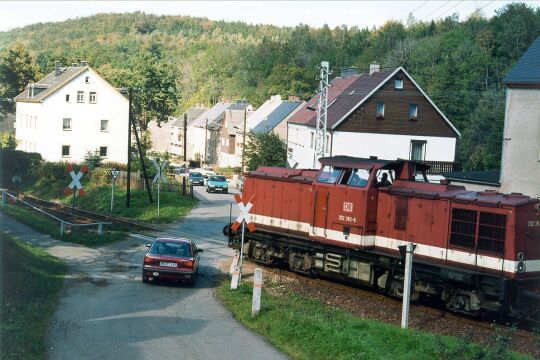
(7, 141)
(16, 71)
(265, 149)
(155, 96)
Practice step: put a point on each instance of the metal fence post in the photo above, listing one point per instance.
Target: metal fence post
(61, 228)
(100, 228)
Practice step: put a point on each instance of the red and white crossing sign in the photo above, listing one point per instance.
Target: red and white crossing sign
(244, 213)
(75, 180)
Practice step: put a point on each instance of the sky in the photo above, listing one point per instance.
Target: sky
(368, 14)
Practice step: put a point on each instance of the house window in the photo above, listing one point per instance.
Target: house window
(93, 97)
(87, 80)
(104, 125)
(103, 151)
(398, 84)
(67, 97)
(80, 96)
(312, 140)
(418, 148)
(65, 150)
(413, 111)
(327, 150)
(66, 124)
(379, 110)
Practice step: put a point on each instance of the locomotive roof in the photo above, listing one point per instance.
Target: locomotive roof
(363, 163)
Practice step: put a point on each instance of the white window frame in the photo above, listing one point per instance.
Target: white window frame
(68, 151)
(80, 96)
(101, 125)
(379, 114)
(398, 84)
(413, 115)
(94, 95)
(87, 80)
(70, 124)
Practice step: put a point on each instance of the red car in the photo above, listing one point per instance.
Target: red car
(171, 259)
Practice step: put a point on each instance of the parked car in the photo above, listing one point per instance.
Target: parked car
(171, 259)
(208, 172)
(217, 183)
(196, 178)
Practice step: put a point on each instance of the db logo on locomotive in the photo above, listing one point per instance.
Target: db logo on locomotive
(347, 206)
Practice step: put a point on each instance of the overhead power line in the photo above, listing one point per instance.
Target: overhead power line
(434, 11)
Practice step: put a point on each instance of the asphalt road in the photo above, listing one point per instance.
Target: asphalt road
(106, 312)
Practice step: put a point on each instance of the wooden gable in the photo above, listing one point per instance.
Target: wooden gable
(396, 120)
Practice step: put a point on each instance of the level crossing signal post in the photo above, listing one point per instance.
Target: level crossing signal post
(243, 218)
(75, 183)
(160, 177)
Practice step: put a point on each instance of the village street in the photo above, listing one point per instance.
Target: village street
(106, 312)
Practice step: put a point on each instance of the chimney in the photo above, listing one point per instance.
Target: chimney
(57, 68)
(373, 68)
(84, 63)
(348, 72)
(293, 98)
(275, 97)
(74, 64)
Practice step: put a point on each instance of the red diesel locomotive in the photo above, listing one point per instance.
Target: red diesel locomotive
(476, 251)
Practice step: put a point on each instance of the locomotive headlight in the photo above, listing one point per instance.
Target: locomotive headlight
(520, 267)
(520, 256)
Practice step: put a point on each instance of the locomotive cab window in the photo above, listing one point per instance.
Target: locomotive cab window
(358, 178)
(329, 175)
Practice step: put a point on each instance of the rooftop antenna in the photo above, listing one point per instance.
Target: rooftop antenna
(322, 109)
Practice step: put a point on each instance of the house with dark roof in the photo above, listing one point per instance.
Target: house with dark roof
(274, 118)
(382, 113)
(70, 112)
(520, 163)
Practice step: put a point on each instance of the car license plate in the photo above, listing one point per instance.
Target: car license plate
(167, 264)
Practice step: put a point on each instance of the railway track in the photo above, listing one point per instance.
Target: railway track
(66, 210)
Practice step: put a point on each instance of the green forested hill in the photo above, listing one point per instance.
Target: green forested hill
(459, 63)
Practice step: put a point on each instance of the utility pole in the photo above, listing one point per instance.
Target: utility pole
(243, 143)
(206, 142)
(128, 194)
(322, 109)
(185, 153)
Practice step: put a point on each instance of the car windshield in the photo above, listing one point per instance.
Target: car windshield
(170, 249)
(194, 174)
(209, 169)
(218, 178)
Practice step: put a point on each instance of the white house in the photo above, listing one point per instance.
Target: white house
(520, 164)
(382, 113)
(70, 112)
(230, 149)
(176, 133)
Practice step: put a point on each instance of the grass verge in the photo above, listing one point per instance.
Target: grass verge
(30, 282)
(50, 227)
(307, 329)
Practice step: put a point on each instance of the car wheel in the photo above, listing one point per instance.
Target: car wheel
(226, 191)
(207, 190)
(191, 281)
(144, 279)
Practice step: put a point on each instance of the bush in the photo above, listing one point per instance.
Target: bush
(16, 162)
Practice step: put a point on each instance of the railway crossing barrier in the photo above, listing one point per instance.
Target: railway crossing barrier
(63, 223)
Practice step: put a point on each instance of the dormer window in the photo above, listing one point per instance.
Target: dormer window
(398, 84)
(379, 110)
(413, 111)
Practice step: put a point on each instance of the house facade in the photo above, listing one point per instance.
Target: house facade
(230, 148)
(176, 134)
(520, 163)
(203, 134)
(382, 113)
(71, 112)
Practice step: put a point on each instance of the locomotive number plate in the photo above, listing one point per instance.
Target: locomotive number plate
(346, 218)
